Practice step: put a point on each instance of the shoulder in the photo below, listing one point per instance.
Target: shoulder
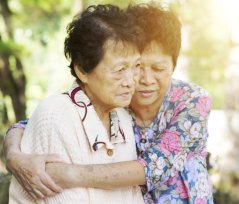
(57, 101)
(189, 98)
(53, 100)
(187, 91)
(52, 107)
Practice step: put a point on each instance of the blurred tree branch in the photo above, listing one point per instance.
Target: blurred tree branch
(12, 84)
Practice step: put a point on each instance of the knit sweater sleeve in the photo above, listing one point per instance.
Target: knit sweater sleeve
(45, 132)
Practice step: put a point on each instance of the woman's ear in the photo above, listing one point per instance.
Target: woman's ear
(82, 76)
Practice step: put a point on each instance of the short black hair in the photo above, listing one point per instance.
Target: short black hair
(160, 25)
(87, 33)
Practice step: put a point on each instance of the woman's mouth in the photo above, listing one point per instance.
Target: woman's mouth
(126, 95)
(146, 93)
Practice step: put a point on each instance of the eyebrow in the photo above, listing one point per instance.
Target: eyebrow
(160, 63)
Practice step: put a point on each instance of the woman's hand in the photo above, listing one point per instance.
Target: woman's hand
(29, 170)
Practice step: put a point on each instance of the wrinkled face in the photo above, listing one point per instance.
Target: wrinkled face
(112, 82)
(155, 77)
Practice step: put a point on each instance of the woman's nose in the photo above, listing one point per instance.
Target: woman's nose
(146, 77)
(129, 79)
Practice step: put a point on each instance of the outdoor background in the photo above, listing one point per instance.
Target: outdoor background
(33, 66)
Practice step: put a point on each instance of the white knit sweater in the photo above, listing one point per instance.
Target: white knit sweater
(56, 127)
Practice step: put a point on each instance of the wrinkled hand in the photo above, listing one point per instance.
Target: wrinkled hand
(29, 170)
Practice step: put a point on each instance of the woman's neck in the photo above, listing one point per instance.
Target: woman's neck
(145, 115)
(102, 110)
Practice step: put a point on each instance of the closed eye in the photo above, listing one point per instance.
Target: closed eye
(138, 65)
(121, 69)
(158, 69)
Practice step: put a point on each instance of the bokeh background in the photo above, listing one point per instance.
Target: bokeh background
(33, 66)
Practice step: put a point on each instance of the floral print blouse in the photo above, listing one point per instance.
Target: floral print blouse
(173, 148)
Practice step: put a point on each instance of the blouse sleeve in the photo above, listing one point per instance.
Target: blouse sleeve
(21, 124)
(184, 137)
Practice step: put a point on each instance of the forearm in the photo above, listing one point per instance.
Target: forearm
(105, 176)
(11, 146)
(12, 141)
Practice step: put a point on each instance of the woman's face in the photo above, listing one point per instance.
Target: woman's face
(155, 77)
(112, 82)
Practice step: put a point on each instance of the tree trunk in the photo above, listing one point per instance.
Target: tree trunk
(12, 84)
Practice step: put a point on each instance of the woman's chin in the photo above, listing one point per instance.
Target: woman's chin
(122, 104)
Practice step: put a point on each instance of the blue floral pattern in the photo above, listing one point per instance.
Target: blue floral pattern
(173, 148)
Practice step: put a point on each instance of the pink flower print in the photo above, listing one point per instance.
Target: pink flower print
(203, 106)
(181, 189)
(176, 94)
(170, 142)
(190, 155)
(142, 162)
(171, 181)
(203, 154)
(200, 201)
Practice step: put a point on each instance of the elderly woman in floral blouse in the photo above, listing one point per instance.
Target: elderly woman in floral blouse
(169, 117)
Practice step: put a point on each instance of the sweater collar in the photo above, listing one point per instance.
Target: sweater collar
(94, 129)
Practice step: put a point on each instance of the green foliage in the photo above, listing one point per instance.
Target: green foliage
(4, 185)
(221, 197)
(10, 47)
(208, 45)
(39, 19)
(121, 3)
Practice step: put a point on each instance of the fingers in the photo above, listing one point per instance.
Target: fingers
(50, 184)
(43, 185)
(35, 195)
(36, 188)
(29, 171)
(43, 191)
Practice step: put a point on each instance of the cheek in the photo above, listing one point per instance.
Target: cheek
(113, 86)
(164, 79)
(116, 82)
(166, 76)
